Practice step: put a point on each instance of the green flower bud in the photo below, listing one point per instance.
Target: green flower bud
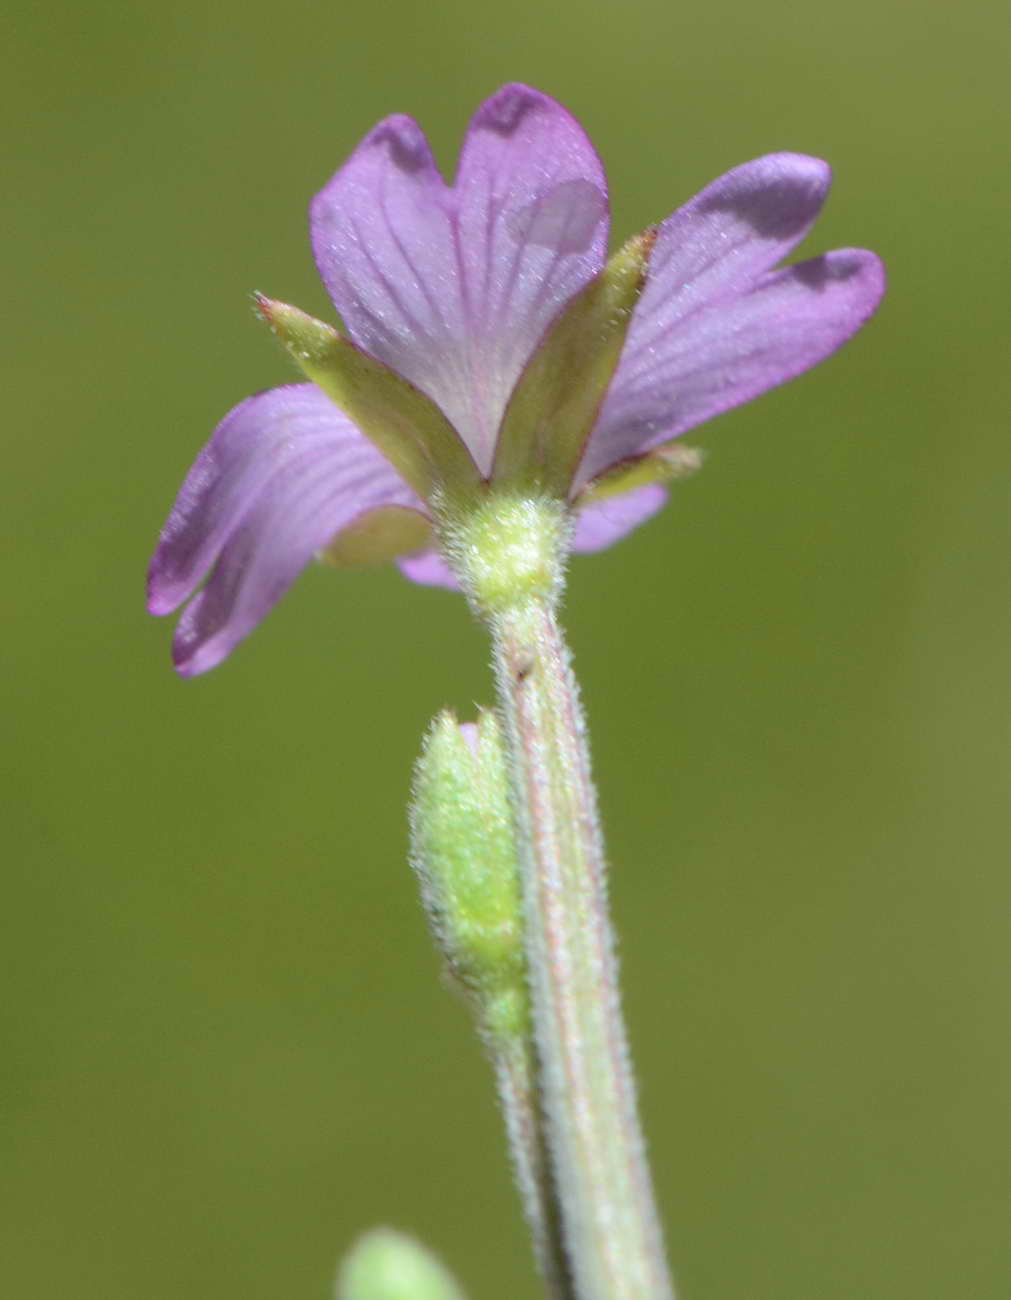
(388, 1265)
(464, 854)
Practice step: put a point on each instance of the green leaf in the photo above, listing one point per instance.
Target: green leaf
(405, 425)
(554, 405)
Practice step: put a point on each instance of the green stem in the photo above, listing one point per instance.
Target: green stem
(510, 557)
(516, 1076)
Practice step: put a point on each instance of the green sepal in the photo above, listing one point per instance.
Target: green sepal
(377, 537)
(464, 853)
(405, 425)
(387, 1265)
(555, 403)
(661, 465)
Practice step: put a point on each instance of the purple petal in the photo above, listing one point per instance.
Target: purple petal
(453, 287)
(730, 351)
(713, 251)
(427, 568)
(729, 234)
(606, 522)
(284, 472)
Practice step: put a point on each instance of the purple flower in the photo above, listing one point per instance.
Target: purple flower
(455, 289)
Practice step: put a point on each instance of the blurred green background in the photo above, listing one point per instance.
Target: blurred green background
(225, 1045)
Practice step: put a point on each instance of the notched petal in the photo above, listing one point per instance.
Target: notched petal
(683, 367)
(284, 472)
(453, 287)
(709, 253)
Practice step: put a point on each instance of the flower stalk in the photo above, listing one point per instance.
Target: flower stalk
(510, 559)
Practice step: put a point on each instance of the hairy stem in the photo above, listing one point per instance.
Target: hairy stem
(610, 1221)
(509, 553)
(516, 1076)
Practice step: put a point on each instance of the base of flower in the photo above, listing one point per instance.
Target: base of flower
(505, 549)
